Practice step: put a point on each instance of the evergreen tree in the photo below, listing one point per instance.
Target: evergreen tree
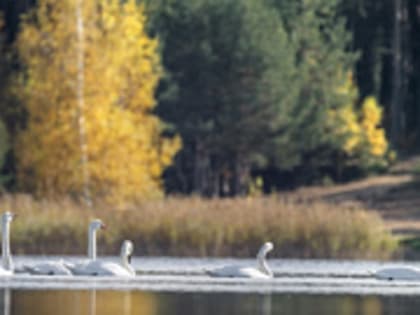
(229, 89)
(324, 60)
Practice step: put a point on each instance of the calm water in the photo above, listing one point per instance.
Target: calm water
(179, 286)
(90, 302)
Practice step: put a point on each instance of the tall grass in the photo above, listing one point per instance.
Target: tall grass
(194, 226)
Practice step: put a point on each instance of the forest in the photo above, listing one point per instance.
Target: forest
(120, 101)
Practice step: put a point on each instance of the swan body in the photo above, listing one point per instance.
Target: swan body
(106, 268)
(238, 272)
(397, 273)
(4, 272)
(101, 268)
(49, 268)
(61, 267)
(7, 267)
(262, 271)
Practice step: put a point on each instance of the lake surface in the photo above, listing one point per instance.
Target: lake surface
(179, 286)
(91, 302)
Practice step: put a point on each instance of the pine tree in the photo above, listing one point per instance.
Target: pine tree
(229, 88)
(323, 59)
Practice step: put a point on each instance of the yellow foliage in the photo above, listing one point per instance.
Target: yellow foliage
(126, 151)
(359, 129)
(371, 118)
(348, 128)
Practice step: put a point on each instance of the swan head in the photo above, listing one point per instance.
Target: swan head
(96, 224)
(268, 246)
(127, 250)
(265, 248)
(8, 217)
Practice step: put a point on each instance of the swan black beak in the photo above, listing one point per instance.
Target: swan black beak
(129, 259)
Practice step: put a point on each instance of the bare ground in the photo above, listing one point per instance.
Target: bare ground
(395, 196)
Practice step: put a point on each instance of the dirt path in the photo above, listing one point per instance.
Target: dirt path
(396, 196)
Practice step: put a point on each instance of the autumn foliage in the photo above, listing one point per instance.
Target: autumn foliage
(126, 150)
(358, 128)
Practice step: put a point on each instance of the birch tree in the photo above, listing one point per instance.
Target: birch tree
(126, 151)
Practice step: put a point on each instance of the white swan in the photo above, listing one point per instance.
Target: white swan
(106, 268)
(8, 267)
(262, 271)
(61, 267)
(48, 268)
(397, 273)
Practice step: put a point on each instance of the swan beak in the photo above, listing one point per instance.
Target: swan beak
(129, 259)
(14, 215)
(103, 226)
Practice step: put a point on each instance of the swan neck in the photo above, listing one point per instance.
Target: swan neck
(262, 264)
(92, 244)
(125, 262)
(6, 255)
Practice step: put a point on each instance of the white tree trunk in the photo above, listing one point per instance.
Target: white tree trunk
(81, 102)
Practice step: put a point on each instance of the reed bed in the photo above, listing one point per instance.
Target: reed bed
(202, 227)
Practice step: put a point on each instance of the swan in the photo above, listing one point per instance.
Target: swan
(397, 273)
(262, 271)
(48, 268)
(107, 268)
(60, 267)
(8, 267)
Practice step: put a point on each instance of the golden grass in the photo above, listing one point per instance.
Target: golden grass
(199, 227)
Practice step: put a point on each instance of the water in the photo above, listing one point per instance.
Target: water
(173, 286)
(91, 302)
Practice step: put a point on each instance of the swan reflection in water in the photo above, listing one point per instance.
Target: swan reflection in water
(6, 302)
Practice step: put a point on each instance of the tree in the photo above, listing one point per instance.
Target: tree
(360, 139)
(11, 112)
(127, 152)
(5, 175)
(323, 59)
(229, 88)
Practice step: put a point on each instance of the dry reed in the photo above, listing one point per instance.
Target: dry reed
(200, 227)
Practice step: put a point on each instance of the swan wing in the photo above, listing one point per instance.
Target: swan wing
(48, 268)
(398, 273)
(237, 272)
(4, 272)
(254, 273)
(100, 268)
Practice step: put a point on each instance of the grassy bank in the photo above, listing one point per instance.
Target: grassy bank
(193, 226)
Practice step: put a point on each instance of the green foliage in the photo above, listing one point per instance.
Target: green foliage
(231, 85)
(321, 41)
(4, 143)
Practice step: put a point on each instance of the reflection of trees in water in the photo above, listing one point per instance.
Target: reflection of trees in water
(300, 304)
(98, 302)
(214, 303)
(86, 302)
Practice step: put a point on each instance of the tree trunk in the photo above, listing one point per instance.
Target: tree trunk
(81, 103)
(242, 175)
(201, 169)
(396, 99)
